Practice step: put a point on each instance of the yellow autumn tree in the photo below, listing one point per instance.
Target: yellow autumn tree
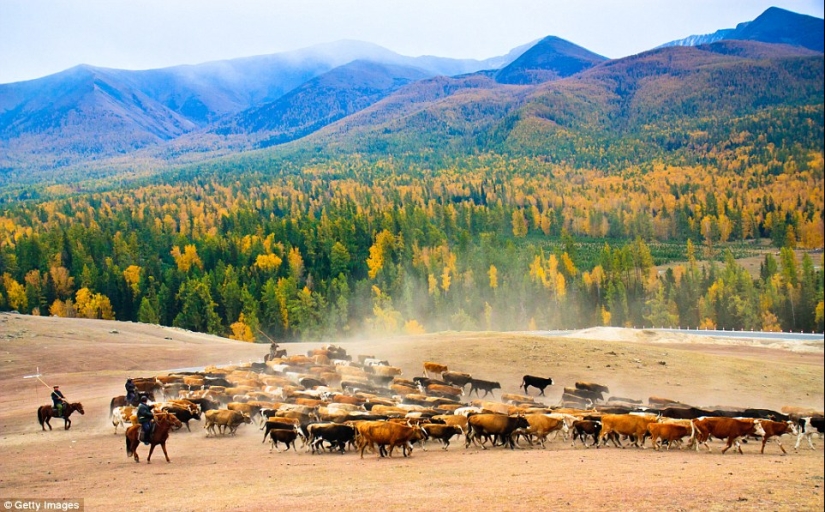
(379, 251)
(519, 224)
(413, 327)
(493, 273)
(15, 293)
(241, 331)
(188, 259)
(296, 263)
(93, 305)
(63, 283)
(268, 262)
(132, 277)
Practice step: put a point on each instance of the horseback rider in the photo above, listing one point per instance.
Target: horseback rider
(131, 396)
(145, 417)
(273, 348)
(58, 400)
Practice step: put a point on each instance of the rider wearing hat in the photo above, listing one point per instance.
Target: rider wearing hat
(145, 417)
(130, 391)
(58, 400)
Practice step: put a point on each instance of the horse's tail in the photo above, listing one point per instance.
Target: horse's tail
(111, 406)
(128, 445)
(40, 418)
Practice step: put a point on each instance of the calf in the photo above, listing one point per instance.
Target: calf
(584, 428)
(441, 432)
(486, 385)
(807, 427)
(285, 436)
(537, 382)
(776, 429)
(670, 432)
(434, 368)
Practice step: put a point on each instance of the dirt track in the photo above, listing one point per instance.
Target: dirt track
(90, 362)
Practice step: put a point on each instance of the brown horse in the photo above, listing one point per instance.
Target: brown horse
(45, 412)
(164, 422)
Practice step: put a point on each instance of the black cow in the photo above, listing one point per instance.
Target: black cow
(274, 424)
(205, 404)
(584, 428)
(537, 382)
(486, 385)
(310, 382)
(685, 413)
(183, 415)
(808, 427)
(284, 436)
(333, 433)
(426, 381)
(765, 414)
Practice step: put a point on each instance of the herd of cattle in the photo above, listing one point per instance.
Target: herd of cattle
(330, 402)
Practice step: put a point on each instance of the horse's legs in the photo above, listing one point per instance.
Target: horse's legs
(163, 445)
(68, 424)
(47, 423)
(149, 457)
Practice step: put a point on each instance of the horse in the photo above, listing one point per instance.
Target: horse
(44, 413)
(120, 401)
(164, 422)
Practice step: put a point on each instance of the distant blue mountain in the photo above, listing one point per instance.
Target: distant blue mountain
(775, 25)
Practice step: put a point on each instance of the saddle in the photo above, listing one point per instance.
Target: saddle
(55, 412)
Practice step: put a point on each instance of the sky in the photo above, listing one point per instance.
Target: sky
(42, 37)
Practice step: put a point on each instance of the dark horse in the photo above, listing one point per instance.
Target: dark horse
(120, 401)
(164, 422)
(45, 412)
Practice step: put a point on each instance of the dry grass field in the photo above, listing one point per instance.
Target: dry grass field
(91, 359)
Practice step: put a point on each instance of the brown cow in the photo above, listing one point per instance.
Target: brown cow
(434, 368)
(542, 425)
(496, 425)
(225, 420)
(731, 429)
(385, 433)
(670, 432)
(777, 429)
(634, 425)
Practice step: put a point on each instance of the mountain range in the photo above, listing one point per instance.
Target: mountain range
(354, 95)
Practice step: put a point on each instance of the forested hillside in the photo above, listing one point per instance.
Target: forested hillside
(463, 203)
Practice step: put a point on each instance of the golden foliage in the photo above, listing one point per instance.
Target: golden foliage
(188, 259)
(241, 331)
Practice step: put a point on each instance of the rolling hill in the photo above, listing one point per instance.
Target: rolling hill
(550, 98)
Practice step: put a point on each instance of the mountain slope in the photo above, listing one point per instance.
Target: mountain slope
(775, 25)
(320, 101)
(620, 107)
(549, 59)
(79, 114)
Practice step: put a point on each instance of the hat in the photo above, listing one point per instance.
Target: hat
(55, 387)
(144, 398)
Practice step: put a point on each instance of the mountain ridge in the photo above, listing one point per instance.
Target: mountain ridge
(87, 113)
